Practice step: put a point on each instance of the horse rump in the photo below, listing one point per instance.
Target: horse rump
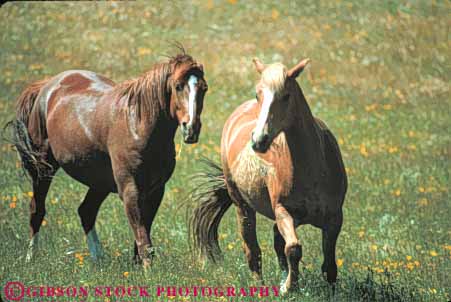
(213, 200)
(16, 132)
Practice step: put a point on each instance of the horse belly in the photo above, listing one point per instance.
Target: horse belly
(94, 172)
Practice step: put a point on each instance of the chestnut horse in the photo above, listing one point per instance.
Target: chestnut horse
(280, 161)
(112, 138)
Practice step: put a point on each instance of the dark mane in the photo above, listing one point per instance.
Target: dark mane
(147, 95)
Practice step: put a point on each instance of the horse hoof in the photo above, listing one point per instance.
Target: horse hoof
(32, 248)
(258, 278)
(146, 263)
(283, 284)
(29, 257)
(97, 257)
(283, 290)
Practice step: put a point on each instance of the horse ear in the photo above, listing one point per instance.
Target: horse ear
(296, 70)
(258, 65)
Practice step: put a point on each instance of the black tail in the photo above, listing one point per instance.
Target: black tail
(33, 160)
(212, 200)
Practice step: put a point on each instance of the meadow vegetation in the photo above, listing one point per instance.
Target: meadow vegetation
(379, 77)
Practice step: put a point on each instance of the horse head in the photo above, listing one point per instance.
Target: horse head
(187, 89)
(277, 97)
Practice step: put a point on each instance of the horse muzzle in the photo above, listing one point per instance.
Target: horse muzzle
(190, 133)
(260, 144)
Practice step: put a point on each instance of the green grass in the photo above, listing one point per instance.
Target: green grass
(379, 77)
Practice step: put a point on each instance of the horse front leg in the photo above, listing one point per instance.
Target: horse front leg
(247, 226)
(292, 249)
(330, 234)
(149, 209)
(279, 247)
(133, 199)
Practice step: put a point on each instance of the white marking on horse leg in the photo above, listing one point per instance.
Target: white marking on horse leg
(268, 97)
(94, 246)
(192, 81)
(32, 247)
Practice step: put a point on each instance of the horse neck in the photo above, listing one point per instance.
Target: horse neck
(305, 143)
(162, 127)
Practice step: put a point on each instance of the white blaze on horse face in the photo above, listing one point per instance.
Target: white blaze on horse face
(192, 81)
(268, 96)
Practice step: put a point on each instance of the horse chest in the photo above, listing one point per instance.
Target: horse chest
(159, 164)
(250, 172)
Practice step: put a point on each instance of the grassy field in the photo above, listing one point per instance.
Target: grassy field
(379, 77)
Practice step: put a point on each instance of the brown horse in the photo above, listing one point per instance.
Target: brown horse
(112, 138)
(280, 161)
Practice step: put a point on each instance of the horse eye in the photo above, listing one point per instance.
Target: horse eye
(179, 87)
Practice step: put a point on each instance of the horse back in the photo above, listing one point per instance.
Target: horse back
(71, 103)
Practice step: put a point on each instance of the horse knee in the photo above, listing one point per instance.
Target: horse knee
(84, 218)
(293, 252)
(81, 211)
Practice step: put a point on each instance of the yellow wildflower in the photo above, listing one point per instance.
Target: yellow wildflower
(363, 150)
(423, 202)
(392, 149)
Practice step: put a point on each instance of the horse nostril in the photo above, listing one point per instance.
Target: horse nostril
(264, 139)
(184, 125)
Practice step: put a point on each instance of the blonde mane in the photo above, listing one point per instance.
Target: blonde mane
(274, 76)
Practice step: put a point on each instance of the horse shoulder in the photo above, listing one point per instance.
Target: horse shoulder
(236, 131)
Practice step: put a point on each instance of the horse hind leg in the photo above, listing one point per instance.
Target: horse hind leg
(88, 213)
(247, 226)
(292, 249)
(41, 185)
